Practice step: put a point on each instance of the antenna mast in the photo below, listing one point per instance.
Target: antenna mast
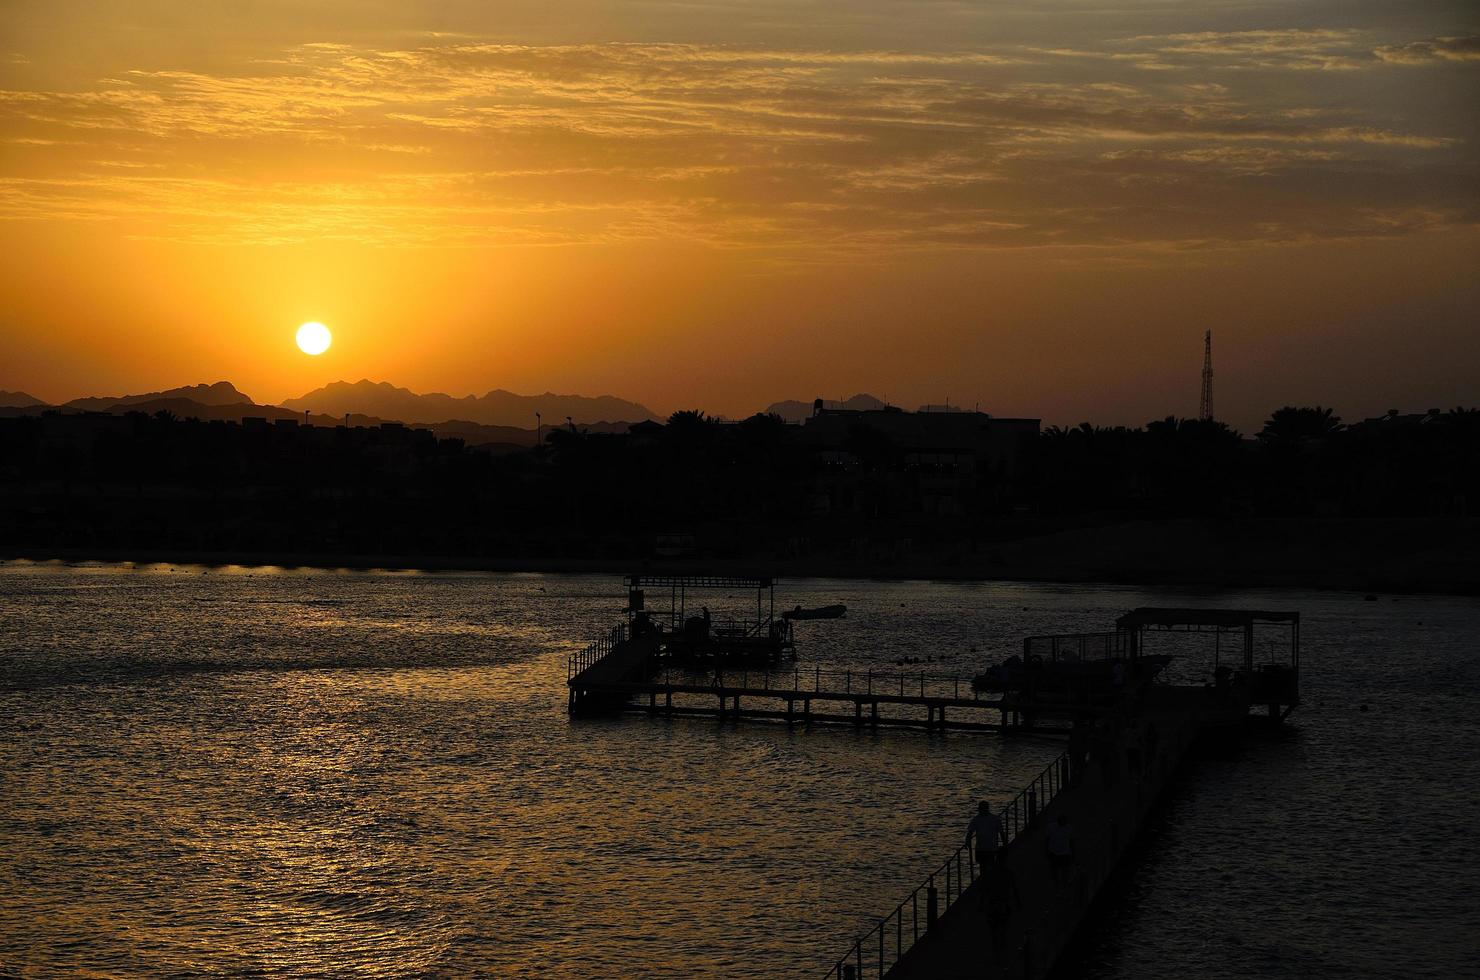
(1205, 411)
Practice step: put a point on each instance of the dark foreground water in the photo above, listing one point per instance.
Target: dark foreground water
(301, 773)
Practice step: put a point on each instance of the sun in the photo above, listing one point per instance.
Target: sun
(313, 338)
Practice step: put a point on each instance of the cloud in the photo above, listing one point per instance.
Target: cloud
(852, 153)
(1301, 50)
(1431, 51)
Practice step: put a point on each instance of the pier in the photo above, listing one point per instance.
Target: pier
(1131, 730)
(946, 927)
(673, 663)
(622, 679)
(1018, 923)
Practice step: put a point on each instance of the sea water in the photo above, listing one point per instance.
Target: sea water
(309, 772)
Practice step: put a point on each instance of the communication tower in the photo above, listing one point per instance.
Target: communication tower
(1205, 411)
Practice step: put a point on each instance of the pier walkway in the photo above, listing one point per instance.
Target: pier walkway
(956, 925)
(1132, 732)
(621, 674)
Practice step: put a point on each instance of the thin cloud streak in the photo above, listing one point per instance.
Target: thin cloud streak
(1432, 51)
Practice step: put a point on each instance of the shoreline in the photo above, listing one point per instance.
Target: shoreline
(1338, 578)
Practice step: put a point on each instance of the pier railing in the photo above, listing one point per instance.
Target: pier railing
(865, 683)
(577, 662)
(730, 629)
(878, 950)
(1114, 645)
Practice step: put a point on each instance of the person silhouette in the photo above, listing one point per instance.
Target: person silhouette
(985, 830)
(1060, 842)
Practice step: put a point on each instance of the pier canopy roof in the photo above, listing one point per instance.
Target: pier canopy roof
(1147, 617)
(643, 580)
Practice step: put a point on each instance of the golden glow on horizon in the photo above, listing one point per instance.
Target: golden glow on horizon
(314, 338)
(722, 206)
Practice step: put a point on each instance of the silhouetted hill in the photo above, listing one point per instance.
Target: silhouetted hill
(178, 406)
(471, 433)
(185, 403)
(795, 411)
(19, 399)
(220, 393)
(498, 407)
(477, 434)
(189, 408)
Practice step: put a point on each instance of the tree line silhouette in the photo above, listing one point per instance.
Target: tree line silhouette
(1303, 462)
(755, 488)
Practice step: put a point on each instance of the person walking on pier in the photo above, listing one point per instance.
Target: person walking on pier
(986, 828)
(1060, 841)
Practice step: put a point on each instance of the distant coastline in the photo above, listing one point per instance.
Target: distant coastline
(1361, 556)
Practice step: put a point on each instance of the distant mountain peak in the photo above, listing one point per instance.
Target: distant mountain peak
(215, 393)
(19, 399)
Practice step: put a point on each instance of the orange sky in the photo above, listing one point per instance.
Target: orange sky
(1037, 207)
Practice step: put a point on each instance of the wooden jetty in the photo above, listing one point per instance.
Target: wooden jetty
(948, 927)
(672, 663)
(1018, 923)
(1132, 732)
(626, 675)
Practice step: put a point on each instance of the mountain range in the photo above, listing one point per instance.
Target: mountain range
(364, 404)
(498, 407)
(499, 417)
